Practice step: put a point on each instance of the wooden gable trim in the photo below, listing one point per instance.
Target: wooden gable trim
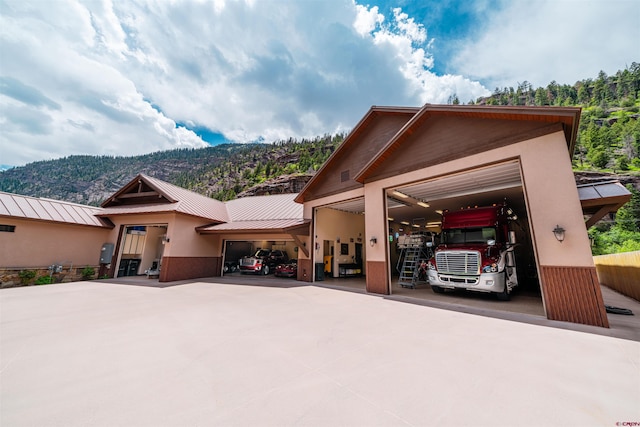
(331, 178)
(374, 113)
(138, 191)
(565, 119)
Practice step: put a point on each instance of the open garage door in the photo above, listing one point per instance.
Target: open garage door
(416, 238)
(339, 232)
(236, 250)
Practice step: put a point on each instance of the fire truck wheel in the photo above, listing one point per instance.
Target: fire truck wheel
(504, 295)
(437, 289)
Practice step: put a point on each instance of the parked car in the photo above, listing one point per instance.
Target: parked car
(263, 261)
(289, 269)
(230, 267)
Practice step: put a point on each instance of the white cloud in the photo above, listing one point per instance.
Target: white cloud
(547, 40)
(122, 74)
(367, 19)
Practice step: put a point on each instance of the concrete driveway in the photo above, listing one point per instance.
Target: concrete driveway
(206, 353)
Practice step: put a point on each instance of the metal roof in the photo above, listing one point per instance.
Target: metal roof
(14, 205)
(279, 206)
(174, 199)
(277, 213)
(601, 198)
(602, 190)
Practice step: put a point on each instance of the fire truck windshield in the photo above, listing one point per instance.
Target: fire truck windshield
(469, 235)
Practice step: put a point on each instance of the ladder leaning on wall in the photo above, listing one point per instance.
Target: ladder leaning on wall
(413, 258)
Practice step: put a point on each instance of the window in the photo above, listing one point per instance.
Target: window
(8, 228)
(469, 235)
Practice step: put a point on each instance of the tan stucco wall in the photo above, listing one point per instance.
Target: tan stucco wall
(40, 243)
(331, 225)
(186, 242)
(550, 191)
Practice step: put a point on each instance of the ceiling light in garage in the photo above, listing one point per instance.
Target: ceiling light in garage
(424, 204)
(399, 194)
(404, 223)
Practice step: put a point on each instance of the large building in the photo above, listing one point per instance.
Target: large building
(398, 169)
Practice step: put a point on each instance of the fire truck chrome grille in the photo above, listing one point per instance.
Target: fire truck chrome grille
(458, 262)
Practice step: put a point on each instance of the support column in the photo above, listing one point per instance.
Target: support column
(376, 240)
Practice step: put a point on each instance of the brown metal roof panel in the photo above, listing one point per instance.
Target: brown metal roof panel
(71, 212)
(602, 190)
(589, 192)
(11, 207)
(57, 208)
(26, 207)
(40, 210)
(86, 215)
(48, 210)
(3, 208)
(190, 202)
(279, 206)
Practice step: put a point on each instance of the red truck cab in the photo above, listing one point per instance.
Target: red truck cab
(476, 252)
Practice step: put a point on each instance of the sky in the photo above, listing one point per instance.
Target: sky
(123, 78)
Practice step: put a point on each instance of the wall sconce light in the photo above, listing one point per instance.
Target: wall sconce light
(317, 246)
(559, 233)
(373, 241)
(165, 239)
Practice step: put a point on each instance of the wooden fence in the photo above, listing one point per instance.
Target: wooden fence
(620, 272)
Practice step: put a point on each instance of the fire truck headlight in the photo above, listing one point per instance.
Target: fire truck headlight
(491, 268)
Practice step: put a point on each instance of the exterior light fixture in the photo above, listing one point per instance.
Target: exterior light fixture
(399, 194)
(373, 241)
(559, 233)
(423, 204)
(165, 239)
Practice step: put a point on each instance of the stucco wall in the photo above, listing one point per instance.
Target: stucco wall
(40, 243)
(550, 191)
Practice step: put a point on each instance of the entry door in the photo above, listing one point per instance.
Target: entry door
(358, 255)
(328, 256)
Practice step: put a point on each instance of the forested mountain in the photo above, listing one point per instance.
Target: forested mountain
(608, 143)
(609, 134)
(221, 172)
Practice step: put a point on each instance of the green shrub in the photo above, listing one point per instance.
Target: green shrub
(44, 280)
(88, 272)
(26, 276)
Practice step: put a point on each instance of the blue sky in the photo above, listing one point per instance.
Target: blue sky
(129, 77)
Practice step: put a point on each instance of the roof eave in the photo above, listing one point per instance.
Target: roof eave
(572, 113)
(352, 136)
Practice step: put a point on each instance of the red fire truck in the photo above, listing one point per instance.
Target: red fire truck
(476, 252)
